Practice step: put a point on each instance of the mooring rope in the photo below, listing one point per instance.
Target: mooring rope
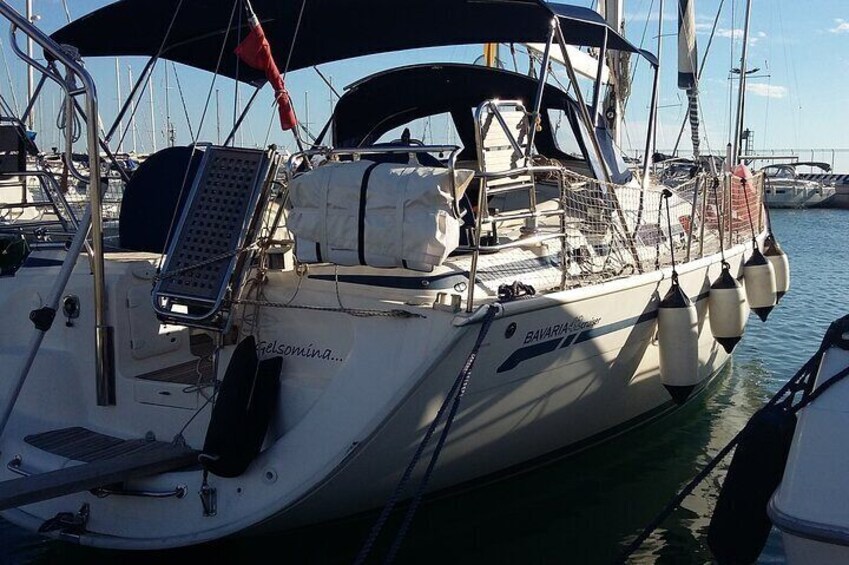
(455, 395)
(802, 381)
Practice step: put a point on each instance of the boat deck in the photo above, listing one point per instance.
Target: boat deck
(104, 459)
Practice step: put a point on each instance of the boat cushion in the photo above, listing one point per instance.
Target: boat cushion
(378, 214)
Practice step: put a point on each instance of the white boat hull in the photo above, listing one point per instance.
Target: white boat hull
(814, 527)
(800, 197)
(803, 550)
(580, 366)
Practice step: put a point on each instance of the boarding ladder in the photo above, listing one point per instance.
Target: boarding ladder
(504, 143)
(210, 246)
(503, 132)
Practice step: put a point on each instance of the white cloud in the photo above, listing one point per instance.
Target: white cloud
(635, 18)
(736, 34)
(841, 27)
(768, 90)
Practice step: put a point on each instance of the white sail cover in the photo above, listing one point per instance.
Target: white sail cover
(382, 215)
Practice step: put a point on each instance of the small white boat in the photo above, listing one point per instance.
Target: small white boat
(789, 467)
(784, 188)
(809, 505)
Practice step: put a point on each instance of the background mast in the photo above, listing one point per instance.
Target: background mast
(613, 12)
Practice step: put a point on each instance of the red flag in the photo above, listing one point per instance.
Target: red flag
(255, 51)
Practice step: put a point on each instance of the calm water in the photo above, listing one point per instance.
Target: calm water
(585, 508)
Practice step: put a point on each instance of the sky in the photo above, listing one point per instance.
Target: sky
(798, 100)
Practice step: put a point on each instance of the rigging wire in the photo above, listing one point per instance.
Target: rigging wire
(268, 129)
(705, 133)
(327, 82)
(333, 92)
(67, 11)
(766, 110)
(4, 106)
(156, 57)
(182, 100)
(633, 70)
(200, 128)
(729, 134)
(286, 70)
(236, 84)
(788, 62)
(294, 37)
(9, 78)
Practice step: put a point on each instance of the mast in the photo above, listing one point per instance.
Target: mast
(152, 112)
(490, 54)
(169, 127)
(217, 118)
(306, 122)
(118, 104)
(613, 12)
(30, 79)
(738, 123)
(132, 109)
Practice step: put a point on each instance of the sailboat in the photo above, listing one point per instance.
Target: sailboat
(269, 343)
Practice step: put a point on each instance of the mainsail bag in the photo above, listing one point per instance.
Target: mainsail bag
(377, 214)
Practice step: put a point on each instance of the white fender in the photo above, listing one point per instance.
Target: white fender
(780, 264)
(728, 310)
(759, 279)
(678, 342)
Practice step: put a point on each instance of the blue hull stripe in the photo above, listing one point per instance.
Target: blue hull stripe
(610, 328)
(537, 349)
(531, 351)
(568, 341)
